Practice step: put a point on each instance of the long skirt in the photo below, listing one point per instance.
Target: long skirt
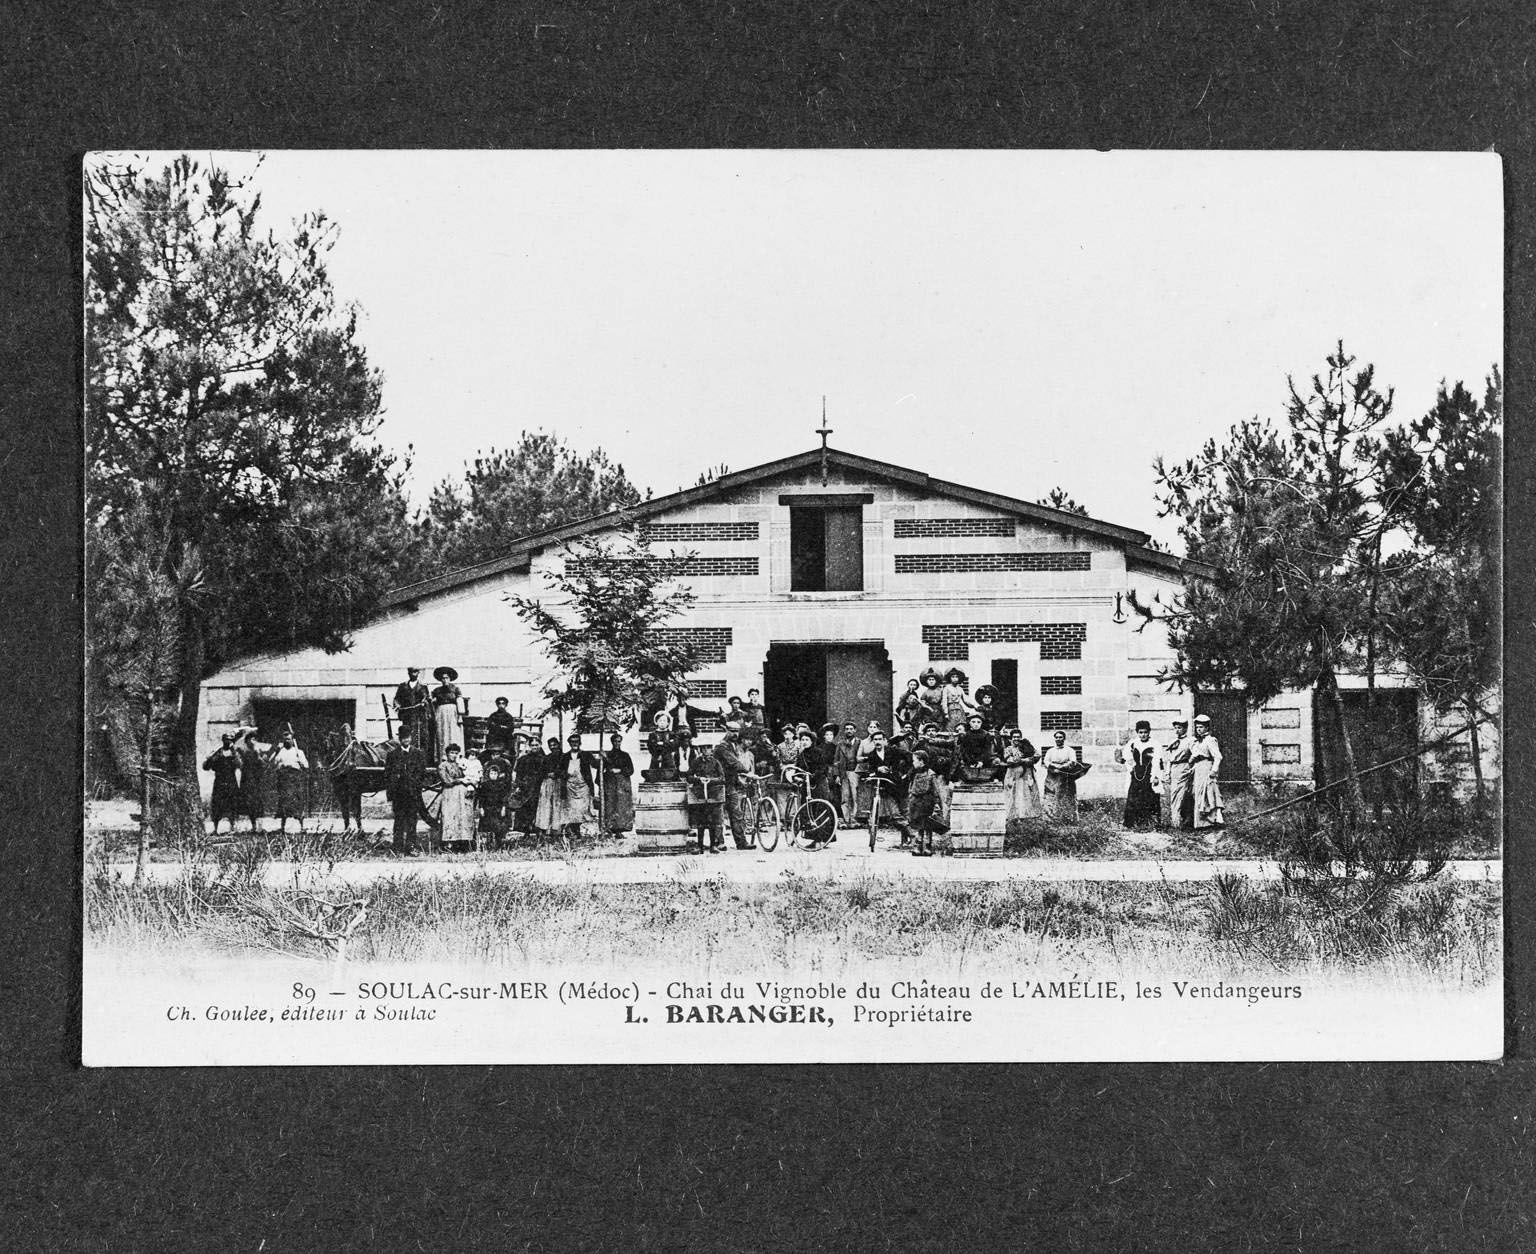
(576, 804)
(1181, 798)
(525, 817)
(618, 803)
(1141, 804)
(288, 801)
(458, 816)
(546, 815)
(446, 726)
(1023, 798)
(227, 801)
(1060, 798)
(1207, 797)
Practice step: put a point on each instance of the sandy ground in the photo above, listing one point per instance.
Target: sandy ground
(849, 859)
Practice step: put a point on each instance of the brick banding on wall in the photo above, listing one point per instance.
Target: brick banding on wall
(687, 567)
(710, 689)
(711, 641)
(1061, 685)
(921, 528)
(696, 532)
(1061, 720)
(951, 642)
(960, 563)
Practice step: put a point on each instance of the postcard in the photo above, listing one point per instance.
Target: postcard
(768, 606)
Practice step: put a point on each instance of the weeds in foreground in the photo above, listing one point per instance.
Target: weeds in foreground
(1447, 932)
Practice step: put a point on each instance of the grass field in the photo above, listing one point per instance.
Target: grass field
(1446, 932)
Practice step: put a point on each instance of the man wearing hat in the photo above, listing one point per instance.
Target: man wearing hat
(500, 727)
(405, 769)
(1180, 784)
(527, 775)
(412, 702)
(736, 765)
(445, 709)
(703, 816)
(898, 756)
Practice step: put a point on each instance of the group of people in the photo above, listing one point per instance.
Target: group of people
(509, 785)
(942, 735)
(432, 718)
(247, 773)
(1174, 784)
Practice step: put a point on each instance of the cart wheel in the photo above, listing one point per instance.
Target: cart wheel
(768, 824)
(815, 824)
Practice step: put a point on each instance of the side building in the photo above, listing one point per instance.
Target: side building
(826, 580)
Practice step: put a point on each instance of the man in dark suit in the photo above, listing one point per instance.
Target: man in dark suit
(737, 765)
(893, 767)
(412, 705)
(405, 769)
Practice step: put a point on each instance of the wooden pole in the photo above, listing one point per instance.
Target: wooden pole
(389, 728)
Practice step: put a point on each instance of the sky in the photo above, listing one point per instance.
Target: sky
(1013, 321)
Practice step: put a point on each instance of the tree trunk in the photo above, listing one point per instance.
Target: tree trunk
(1329, 687)
(1477, 752)
(184, 760)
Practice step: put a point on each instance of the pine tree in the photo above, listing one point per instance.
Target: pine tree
(1442, 606)
(503, 495)
(229, 416)
(1289, 517)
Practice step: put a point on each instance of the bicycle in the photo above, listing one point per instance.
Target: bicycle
(812, 820)
(763, 820)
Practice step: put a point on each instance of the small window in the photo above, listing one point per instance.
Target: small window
(826, 549)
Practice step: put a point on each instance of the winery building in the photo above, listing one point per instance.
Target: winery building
(826, 580)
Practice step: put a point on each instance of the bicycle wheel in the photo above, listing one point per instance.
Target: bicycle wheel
(815, 824)
(874, 818)
(768, 824)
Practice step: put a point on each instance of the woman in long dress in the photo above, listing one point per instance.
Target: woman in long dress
(930, 698)
(1019, 758)
(224, 762)
(1144, 769)
(618, 793)
(1205, 757)
(445, 709)
(547, 816)
(957, 706)
(1061, 771)
(458, 812)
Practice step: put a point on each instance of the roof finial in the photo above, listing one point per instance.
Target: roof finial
(823, 431)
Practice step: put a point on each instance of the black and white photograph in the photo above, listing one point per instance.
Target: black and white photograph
(798, 606)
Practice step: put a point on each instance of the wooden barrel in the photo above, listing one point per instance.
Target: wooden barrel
(978, 813)
(661, 816)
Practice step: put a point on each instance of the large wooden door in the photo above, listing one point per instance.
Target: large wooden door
(859, 684)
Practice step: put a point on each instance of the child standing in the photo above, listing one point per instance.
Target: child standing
(925, 809)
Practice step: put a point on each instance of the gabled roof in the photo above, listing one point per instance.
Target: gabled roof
(520, 552)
